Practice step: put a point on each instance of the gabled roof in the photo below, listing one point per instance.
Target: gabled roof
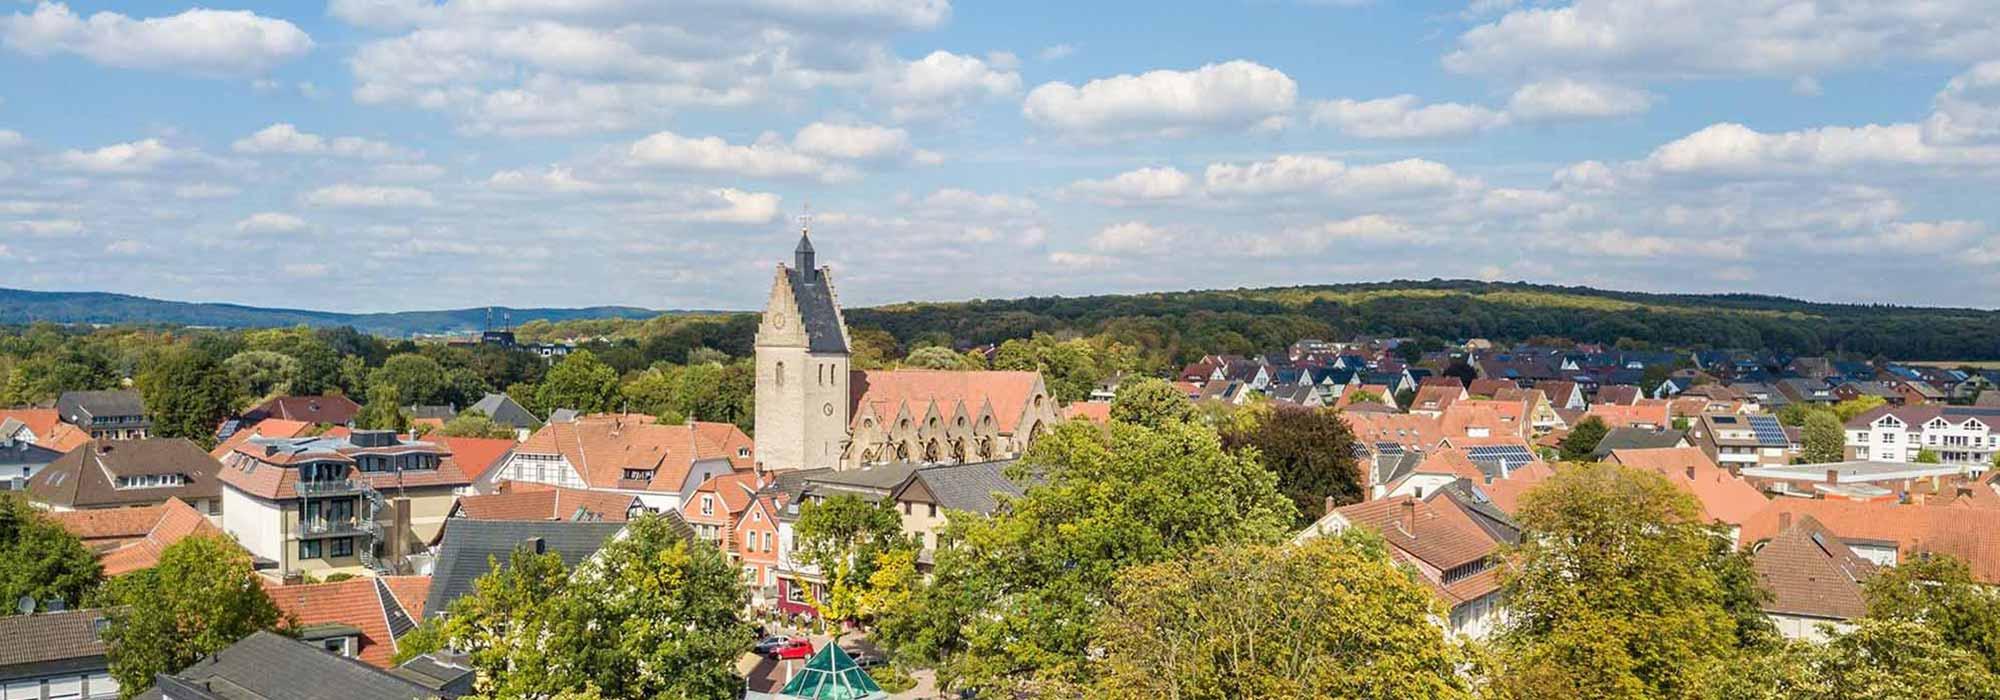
(1810, 572)
(467, 546)
(1625, 437)
(1621, 394)
(604, 448)
(523, 501)
(130, 539)
(49, 430)
(1436, 533)
(477, 456)
(1641, 412)
(269, 666)
(1009, 392)
(366, 604)
(81, 406)
(85, 478)
(335, 410)
(503, 409)
(269, 427)
(964, 487)
(1971, 534)
(50, 641)
(1722, 497)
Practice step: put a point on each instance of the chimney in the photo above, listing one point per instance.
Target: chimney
(1833, 476)
(400, 531)
(1784, 520)
(536, 545)
(1410, 517)
(1329, 505)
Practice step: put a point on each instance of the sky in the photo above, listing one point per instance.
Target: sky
(378, 155)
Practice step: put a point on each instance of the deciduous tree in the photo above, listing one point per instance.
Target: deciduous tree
(40, 560)
(1150, 402)
(1825, 440)
(202, 597)
(1310, 450)
(187, 395)
(579, 382)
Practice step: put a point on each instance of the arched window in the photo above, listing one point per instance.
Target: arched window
(778, 374)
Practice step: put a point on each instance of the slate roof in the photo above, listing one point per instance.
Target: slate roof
(468, 545)
(1810, 572)
(19, 453)
(80, 406)
(505, 411)
(31, 645)
(267, 666)
(966, 487)
(1626, 437)
(83, 478)
(813, 293)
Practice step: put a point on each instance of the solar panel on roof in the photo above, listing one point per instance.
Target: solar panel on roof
(1511, 454)
(1769, 432)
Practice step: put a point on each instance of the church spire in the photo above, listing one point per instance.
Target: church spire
(802, 257)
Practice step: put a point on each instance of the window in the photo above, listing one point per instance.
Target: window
(707, 504)
(638, 475)
(102, 685)
(767, 542)
(933, 510)
(337, 645)
(778, 374)
(308, 549)
(24, 690)
(343, 547)
(66, 688)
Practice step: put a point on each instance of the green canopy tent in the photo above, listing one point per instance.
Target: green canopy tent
(832, 675)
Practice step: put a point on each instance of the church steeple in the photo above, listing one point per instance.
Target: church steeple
(802, 257)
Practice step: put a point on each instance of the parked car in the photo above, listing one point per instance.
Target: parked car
(768, 644)
(787, 648)
(867, 658)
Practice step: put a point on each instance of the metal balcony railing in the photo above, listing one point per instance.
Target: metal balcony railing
(344, 527)
(332, 487)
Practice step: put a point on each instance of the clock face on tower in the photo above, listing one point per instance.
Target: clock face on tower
(827, 409)
(778, 321)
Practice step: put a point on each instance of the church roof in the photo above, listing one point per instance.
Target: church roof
(817, 313)
(885, 390)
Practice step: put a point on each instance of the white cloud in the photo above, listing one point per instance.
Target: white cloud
(859, 141)
(1402, 117)
(311, 270)
(556, 179)
(1056, 52)
(1141, 184)
(1373, 228)
(1568, 98)
(1737, 149)
(346, 196)
(10, 139)
(1967, 111)
(1219, 96)
(198, 41)
(952, 202)
(121, 158)
(1619, 244)
(943, 82)
(205, 190)
(408, 172)
(1300, 173)
(1078, 261)
(1675, 38)
(282, 138)
(47, 227)
(733, 206)
(271, 222)
(1129, 237)
(765, 159)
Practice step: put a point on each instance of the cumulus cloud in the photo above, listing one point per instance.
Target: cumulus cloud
(1405, 117)
(1130, 237)
(768, 158)
(1564, 98)
(282, 138)
(955, 202)
(270, 222)
(1141, 184)
(1303, 173)
(199, 41)
(1236, 95)
(121, 158)
(1736, 149)
(10, 139)
(943, 82)
(348, 196)
(556, 179)
(1078, 261)
(733, 206)
(1368, 228)
(1967, 111)
(47, 227)
(859, 141)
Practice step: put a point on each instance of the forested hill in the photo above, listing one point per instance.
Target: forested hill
(21, 307)
(1170, 327)
(1192, 322)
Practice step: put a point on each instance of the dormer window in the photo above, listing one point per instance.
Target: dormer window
(638, 475)
(152, 481)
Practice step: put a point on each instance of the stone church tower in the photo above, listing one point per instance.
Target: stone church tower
(802, 392)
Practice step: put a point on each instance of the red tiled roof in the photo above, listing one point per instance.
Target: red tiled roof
(1400, 428)
(40, 421)
(1809, 571)
(1490, 387)
(885, 390)
(1643, 412)
(129, 539)
(353, 602)
(269, 427)
(1093, 411)
(1437, 397)
(603, 448)
(410, 592)
(1971, 534)
(476, 456)
(1620, 394)
(550, 503)
(1723, 497)
(273, 476)
(310, 409)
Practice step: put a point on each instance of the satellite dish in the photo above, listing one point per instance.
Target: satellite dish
(26, 605)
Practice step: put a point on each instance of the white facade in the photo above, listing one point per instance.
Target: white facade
(256, 523)
(803, 401)
(1966, 441)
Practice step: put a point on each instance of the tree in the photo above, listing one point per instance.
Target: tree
(1847, 410)
(1925, 456)
(1616, 591)
(1939, 591)
(934, 357)
(202, 597)
(475, 424)
(649, 616)
(418, 379)
(262, 373)
(1312, 453)
(1582, 439)
(1016, 595)
(384, 409)
(40, 560)
(845, 537)
(464, 387)
(1459, 370)
(1825, 440)
(318, 369)
(1150, 403)
(1404, 398)
(187, 395)
(1331, 618)
(1884, 659)
(580, 381)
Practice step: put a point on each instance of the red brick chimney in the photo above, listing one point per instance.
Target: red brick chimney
(1784, 521)
(1833, 476)
(1410, 517)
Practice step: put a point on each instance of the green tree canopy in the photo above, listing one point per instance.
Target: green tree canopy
(844, 537)
(475, 424)
(41, 560)
(1825, 440)
(1617, 590)
(1150, 402)
(187, 395)
(384, 409)
(1582, 439)
(1331, 618)
(419, 380)
(1938, 591)
(1310, 450)
(934, 357)
(262, 373)
(580, 381)
(202, 597)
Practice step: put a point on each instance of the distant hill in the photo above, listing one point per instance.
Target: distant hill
(21, 306)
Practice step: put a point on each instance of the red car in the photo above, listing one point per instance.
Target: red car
(794, 648)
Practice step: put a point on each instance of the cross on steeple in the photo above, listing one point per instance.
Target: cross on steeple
(802, 257)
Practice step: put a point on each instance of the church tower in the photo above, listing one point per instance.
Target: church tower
(802, 362)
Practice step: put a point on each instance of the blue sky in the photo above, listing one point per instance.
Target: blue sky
(400, 154)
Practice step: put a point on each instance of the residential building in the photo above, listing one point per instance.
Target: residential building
(357, 618)
(130, 539)
(504, 410)
(123, 473)
(44, 427)
(525, 501)
(1433, 399)
(753, 545)
(1451, 539)
(1857, 480)
(1723, 497)
(20, 459)
(1651, 414)
(1813, 577)
(468, 549)
(629, 454)
(325, 410)
(356, 502)
(1742, 441)
(1628, 438)
(1886, 533)
(931, 494)
(118, 414)
(1962, 436)
(715, 506)
(271, 666)
(54, 655)
(813, 412)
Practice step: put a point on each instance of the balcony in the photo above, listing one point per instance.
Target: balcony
(332, 487)
(343, 527)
